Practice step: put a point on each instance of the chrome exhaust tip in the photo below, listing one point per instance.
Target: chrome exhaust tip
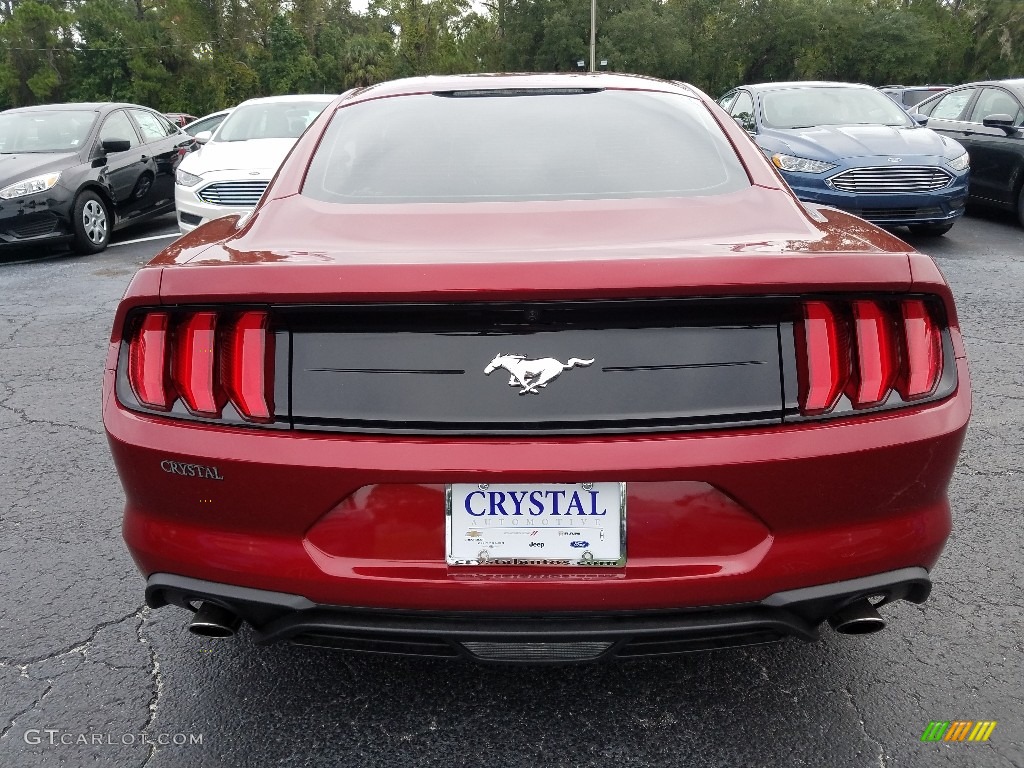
(859, 618)
(212, 620)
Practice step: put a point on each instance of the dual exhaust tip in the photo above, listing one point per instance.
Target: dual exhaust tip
(858, 618)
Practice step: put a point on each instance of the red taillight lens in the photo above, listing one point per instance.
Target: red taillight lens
(248, 365)
(147, 362)
(823, 358)
(875, 368)
(922, 351)
(866, 348)
(204, 361)
(194, 369)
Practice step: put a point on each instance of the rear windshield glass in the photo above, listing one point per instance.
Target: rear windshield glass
(522, 145)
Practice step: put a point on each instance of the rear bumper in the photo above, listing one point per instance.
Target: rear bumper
(714, 518)
(560, 637)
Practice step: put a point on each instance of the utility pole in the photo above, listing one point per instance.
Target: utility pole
(593, 32)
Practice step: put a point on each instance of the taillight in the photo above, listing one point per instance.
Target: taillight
(875, 368)
(248, 366)
(866, 349)
(922, 349)
(824, 360)
(147, 362)
(195, 369)
(206, 359)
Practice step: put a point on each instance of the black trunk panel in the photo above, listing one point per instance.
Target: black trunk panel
(422, 369)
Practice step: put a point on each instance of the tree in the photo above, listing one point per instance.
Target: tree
(37, 65)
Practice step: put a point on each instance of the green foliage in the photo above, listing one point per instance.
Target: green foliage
(201, 55)
(37, 47)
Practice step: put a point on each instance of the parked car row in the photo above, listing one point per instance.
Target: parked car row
(916, 164)
(77, 172)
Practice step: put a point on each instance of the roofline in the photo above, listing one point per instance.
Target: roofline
(805, 84)
(88, 106)
(527, 80)
(326, 98)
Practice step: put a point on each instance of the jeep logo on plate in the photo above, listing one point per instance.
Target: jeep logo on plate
(531, 375)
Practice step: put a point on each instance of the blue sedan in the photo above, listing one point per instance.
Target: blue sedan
(849, 146)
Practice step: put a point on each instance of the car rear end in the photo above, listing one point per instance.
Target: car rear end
(520, 433)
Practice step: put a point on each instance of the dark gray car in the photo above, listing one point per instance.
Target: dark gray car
(988, 119)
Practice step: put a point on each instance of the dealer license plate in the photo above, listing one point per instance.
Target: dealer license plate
(578, 524)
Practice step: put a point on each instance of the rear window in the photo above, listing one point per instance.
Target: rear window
(495, 145)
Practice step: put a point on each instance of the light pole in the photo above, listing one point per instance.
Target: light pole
(593, 32)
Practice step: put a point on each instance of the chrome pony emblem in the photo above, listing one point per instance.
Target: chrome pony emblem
(530, 375)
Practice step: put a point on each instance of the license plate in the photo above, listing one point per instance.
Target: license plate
(577, 524)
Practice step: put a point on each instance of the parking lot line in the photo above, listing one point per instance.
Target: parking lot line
(145, 239)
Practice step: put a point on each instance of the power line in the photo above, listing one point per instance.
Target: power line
(91, 49)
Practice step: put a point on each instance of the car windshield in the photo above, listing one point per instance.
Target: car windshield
(41, 131)
(523, 144)
(830, 105)
(269, 120)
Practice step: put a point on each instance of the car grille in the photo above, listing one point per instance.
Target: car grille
(900, 213)
(36, 226)
(234, 193)
(895, 180)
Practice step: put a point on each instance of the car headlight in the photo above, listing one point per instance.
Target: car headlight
(800, 164)
(961, 163)
(29, 186)
(186, 179)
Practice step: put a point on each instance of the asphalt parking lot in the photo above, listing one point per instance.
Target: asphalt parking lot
(89, 676)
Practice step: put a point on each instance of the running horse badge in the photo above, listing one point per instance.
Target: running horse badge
(531, 375)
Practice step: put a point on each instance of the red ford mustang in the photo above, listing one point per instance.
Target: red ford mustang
(535, 368)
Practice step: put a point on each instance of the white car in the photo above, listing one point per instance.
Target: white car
(206, 123)
(234, 166)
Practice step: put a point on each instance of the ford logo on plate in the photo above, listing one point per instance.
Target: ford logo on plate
(579, 544)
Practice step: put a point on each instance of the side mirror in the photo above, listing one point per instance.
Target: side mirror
(921, 120)
(203, 136)
(1000, 121)
(115, 145)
